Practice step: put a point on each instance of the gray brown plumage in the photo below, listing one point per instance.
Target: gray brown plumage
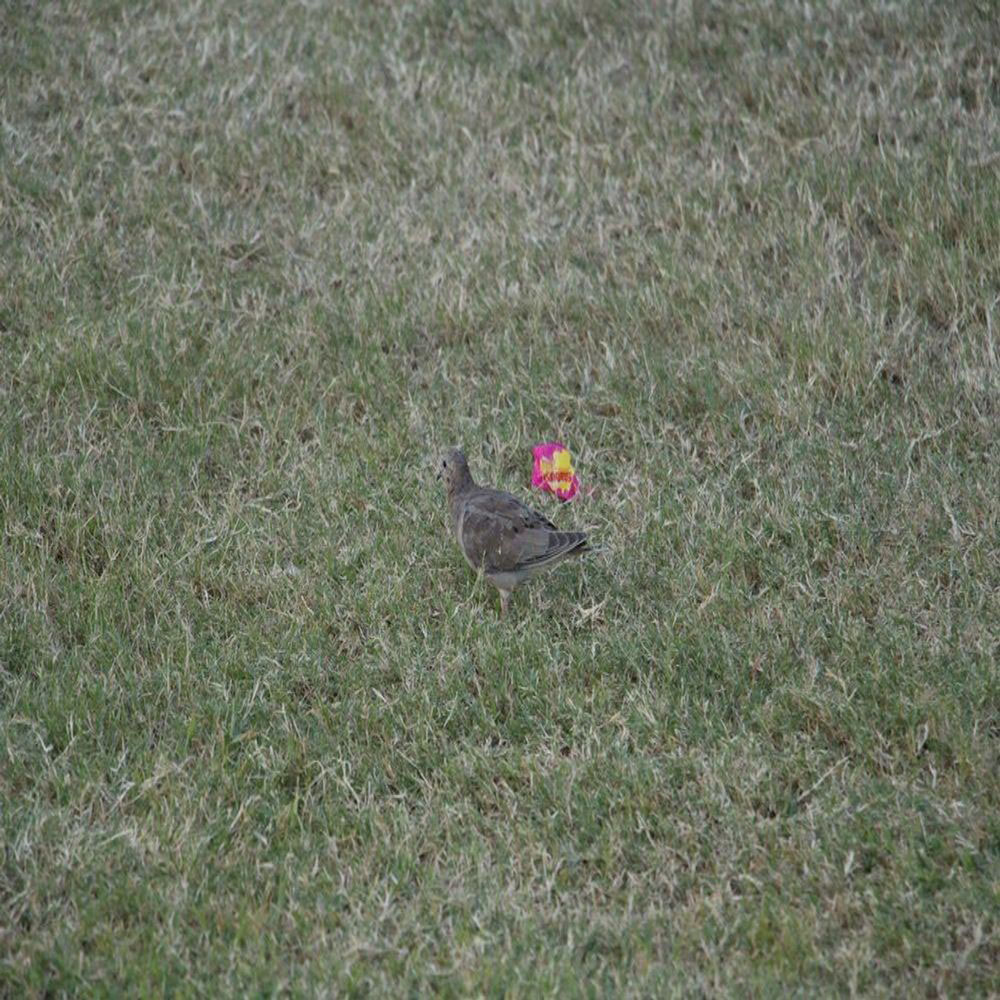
(509, 541)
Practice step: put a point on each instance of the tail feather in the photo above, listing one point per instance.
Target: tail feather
(562, 544)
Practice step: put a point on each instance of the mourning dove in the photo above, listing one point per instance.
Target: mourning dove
(500, 535)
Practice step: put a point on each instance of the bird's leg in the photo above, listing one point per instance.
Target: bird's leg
(504, 600)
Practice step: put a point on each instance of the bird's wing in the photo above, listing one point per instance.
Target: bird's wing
(501, 534)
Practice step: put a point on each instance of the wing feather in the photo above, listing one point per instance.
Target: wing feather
(503, 535)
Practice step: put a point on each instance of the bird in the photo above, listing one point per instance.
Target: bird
(497, 533)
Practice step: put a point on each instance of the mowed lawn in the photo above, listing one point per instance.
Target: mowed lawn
(262, 730)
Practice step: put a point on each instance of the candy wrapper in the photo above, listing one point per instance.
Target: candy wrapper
(553, 470)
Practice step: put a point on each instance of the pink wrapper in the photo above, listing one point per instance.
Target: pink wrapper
(553, 470)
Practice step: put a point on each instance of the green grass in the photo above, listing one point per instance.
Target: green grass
(260, 728)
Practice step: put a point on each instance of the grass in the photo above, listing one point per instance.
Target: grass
(260, 729)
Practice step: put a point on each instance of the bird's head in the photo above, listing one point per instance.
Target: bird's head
(453, 469)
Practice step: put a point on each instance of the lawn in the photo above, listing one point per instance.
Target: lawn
(261, 728)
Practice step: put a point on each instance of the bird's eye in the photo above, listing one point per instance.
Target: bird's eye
(444, 465)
